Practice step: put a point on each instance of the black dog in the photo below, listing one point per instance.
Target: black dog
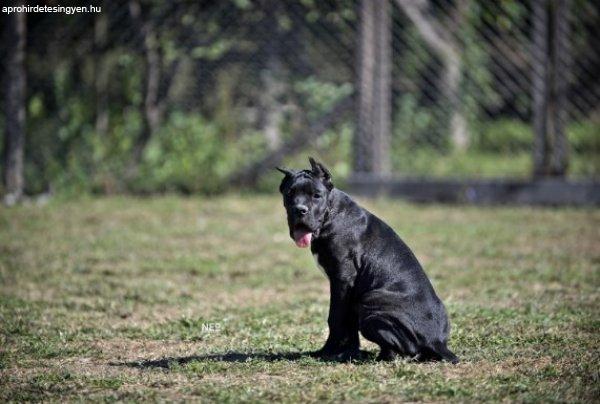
(377, 285)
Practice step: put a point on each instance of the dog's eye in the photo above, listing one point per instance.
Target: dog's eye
(316, 196)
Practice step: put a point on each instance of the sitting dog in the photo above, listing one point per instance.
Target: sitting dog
(377, 286)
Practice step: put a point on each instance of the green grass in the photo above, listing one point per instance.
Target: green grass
(474, 164)
(190, 298)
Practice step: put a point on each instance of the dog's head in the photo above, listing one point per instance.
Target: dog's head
(305, 197)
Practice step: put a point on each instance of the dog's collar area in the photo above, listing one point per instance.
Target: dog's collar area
(327, 214)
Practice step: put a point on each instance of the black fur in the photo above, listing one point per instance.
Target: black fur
(377, 286)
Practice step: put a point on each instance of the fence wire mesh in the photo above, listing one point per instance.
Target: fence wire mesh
(175, 88)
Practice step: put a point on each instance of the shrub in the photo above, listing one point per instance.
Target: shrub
(584, 137)
(511, 135)
(503, 136)
(187, 154)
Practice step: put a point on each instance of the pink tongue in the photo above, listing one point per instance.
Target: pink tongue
(302, 238)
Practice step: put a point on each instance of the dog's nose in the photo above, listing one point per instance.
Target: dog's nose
(301, 209)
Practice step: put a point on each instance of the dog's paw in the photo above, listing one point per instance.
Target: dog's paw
(345, 355)
(386, 355)
(329, 350)
(349, 355)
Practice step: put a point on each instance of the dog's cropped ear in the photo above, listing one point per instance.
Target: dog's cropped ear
(320, 171)
(285, 171)
(288, 174)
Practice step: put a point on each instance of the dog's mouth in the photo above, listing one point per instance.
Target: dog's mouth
(302, 236)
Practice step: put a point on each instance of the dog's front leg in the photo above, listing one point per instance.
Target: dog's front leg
(343, 341)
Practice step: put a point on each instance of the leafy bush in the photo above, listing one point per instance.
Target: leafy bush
(584, 137)
(191, 154)
(503, 136)
(511, 135)
(320, 95)
(418, 126)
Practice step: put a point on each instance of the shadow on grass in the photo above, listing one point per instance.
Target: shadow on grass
(169, 362)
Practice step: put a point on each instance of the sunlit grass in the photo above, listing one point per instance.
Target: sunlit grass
(137, 299)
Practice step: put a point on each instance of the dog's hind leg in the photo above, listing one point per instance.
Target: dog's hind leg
(385, 332)
(438, 351)
(386, 354)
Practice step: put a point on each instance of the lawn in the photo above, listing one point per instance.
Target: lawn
(173, 298)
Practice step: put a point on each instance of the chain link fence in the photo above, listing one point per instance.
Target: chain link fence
(192, 93)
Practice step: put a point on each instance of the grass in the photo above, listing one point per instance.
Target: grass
(188, 298)
(474, 164)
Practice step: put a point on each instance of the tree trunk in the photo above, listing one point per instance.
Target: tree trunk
(540, 85)
(550, 68)
(152, 108)
(382, 107)
(443, 45)
(271, 108)
(372, 137)
(14, 97)
(101, 71)
(559, 161)
(365, 73)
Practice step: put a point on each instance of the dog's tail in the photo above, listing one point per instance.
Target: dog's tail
(439, 351)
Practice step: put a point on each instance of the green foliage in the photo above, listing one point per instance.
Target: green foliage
(506, 136)
(503, 136)
(187, 154)
(584, 138)
(417, 126)
(427, 162)
(211, 85)
(477, 88)
(499, 148)
(320, 95)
